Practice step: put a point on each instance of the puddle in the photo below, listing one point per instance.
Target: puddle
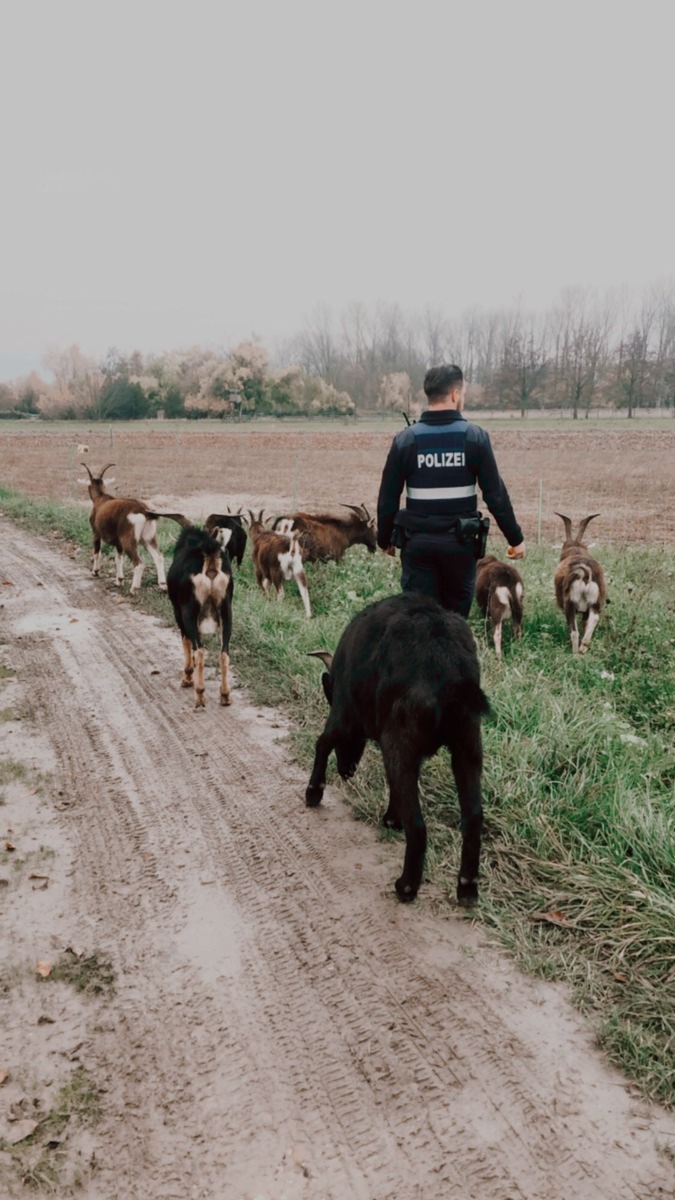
(213, 932)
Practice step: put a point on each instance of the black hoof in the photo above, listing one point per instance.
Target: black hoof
(405, 891)
(313, 796)
(390, 822)
(467, 893)
(348, 771)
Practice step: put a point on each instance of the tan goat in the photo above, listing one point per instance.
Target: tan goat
(579, 584)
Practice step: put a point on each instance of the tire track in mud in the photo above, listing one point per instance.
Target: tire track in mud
(271, 992)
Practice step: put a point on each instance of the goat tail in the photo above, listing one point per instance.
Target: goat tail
(154, 516)
(467, 696)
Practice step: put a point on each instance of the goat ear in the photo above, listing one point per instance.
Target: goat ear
(582, 526)
(568, 525)
(87, 481)
(325, 656)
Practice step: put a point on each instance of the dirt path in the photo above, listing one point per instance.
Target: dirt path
(281, 1028)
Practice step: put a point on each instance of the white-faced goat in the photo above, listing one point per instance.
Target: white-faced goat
(579, 584)
(277, 557)
(125, 524)
(324, 537)
(201, 589)
(233, 524)
(499, 595)
(405, 674)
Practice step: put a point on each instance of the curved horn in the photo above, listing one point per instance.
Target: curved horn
(88, 471)
(325, 655)
(366, 513)
(356, 508)
(107, 468)
(568, 526)
(582, 526)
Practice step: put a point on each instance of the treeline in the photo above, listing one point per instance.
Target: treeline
(588, 351)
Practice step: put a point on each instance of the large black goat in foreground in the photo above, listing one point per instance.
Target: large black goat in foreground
(406, 674)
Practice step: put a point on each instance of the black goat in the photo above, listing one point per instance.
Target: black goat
(406, 674)
(236, 543)
(200, 588)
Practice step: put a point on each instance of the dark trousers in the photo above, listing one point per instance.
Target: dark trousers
(439, 566)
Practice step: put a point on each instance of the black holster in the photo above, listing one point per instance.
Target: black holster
(473, 531)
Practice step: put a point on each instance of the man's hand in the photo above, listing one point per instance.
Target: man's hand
(391, 551)
(516, 551)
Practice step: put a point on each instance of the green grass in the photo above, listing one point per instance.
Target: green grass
(578, 875)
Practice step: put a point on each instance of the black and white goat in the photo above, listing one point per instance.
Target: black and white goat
(219, 523)
(324, 537)
(499, 595)
(200, 589)
(405, 674)
(277, 557)
(579, 584)
(125, 524)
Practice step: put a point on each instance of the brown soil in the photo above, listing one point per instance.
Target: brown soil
(281, 1027)
(625, 474)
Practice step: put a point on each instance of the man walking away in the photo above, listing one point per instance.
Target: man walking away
(440, 460)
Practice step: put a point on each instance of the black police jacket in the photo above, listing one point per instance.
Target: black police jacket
(441, 460)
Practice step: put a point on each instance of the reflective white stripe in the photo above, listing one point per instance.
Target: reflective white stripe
(458, 493)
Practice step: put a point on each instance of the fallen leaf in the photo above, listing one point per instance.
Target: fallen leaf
(45, 1020)
(4, 1075)
(41, 886)
(74, 620)
(37, 875)
(553, 918)
(619, 977)
(8, 582)
(155, 671)
(21, 1130)
(44, 968)
(10, 846)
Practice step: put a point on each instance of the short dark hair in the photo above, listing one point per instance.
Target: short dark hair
(439, 381)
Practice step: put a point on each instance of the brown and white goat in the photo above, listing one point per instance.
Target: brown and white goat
(324, 537)
(499, 595)
(125, 524)
(277, 557)
(579, 584)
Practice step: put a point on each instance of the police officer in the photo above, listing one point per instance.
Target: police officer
(440, 459)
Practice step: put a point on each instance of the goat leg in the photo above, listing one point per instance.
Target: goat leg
(403, 780)
(188, 669)
(590, 620)
(467, 763)
(199, 678)
(317, 780)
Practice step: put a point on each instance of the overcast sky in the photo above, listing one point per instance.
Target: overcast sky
(190, 173)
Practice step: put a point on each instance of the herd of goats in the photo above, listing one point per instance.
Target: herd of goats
(405, 673)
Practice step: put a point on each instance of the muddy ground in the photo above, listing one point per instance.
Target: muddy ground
(280, 1028)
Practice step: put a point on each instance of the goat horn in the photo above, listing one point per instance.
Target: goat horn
(325, 655)
(582, 526)
(88, 471)
(106, 468)
(354, 507)
(366, 513)
(568, 525)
